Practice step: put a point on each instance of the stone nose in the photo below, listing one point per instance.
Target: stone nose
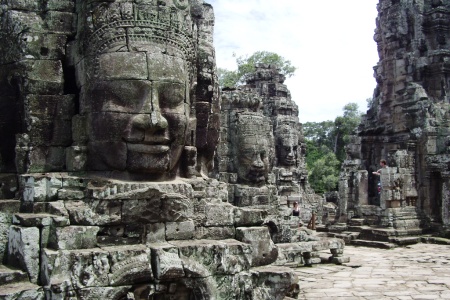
(150, 117)
(257, 162)
(153, 121)
(290, 151)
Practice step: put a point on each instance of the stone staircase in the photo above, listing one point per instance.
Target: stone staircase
(14, 283)
(398, 227)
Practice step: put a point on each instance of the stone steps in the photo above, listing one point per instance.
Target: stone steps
(357, 228)
(407, 240)
(347, 236)
(10, 276)
(39, 220)
(356, 222)
(435, 240)
(21, 290)
(374, 244)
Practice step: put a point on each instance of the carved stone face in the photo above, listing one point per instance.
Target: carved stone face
(252, 159)
(287, 146)
(138, 112)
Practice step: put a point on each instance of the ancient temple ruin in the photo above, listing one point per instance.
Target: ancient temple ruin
(407, 125)
(121, 178)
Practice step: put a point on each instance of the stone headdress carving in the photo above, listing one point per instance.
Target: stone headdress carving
(119, 26)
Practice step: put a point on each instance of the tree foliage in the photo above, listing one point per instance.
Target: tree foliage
(319, 133)
(325, 144)
(345, 126)
(324, 172)
(246, 65)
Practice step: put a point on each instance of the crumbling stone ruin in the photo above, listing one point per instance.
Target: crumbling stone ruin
(110, 123)
(407, 124)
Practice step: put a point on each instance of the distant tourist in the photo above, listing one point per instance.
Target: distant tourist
(296, 210)
(383, 165)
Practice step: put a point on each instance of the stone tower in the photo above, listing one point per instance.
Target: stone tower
(407, 123)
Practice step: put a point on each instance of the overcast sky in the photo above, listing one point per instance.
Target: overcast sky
(329, 41)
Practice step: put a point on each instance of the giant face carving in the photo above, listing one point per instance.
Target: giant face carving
(253, 161)
(287, 145)
(138, 112)
(253, 148)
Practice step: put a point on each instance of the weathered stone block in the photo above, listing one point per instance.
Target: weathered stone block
(32, 220)
(264, 251)
(76, 158)
(43, 77)
(249, 216)
(94, 212)
(82, 268)
(219, 214)
(123, 65)
(129, 265)
(47, 159)
(180, 230)
(93, 293)
(24, 291)
(9, 186)
(98, 163)
(61, 5)
(215, 233)
(25, 19)
(156, 233)
(71, 194)
(30, 5)
(176, 208)
(274, 281)
(79, 134)
(51, 133)
(142, 211)
(23, 250)
(290, 253)
(7, 209)
(202, 258)
(157, 67)
(73, 237)
(33, 5)
(48, 107)
(60, 22)
(166, 263)
(44, 46)
(4, 231)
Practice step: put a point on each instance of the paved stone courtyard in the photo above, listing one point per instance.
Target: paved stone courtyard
(420, 271)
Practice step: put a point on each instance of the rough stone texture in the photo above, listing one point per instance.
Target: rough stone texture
(408, 122)
(23, 250)
(264, 250)
(109, 126)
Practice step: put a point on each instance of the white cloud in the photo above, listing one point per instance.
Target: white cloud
(329, 41)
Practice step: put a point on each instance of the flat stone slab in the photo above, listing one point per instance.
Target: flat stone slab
(21, 290)
(374, 244)
(419, 271)
(9, 276)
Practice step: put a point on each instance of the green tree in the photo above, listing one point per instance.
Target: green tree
(323, 174)
(325, 147)
(344, 127)
(227, 78)
(320, 133)
(246, 65)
